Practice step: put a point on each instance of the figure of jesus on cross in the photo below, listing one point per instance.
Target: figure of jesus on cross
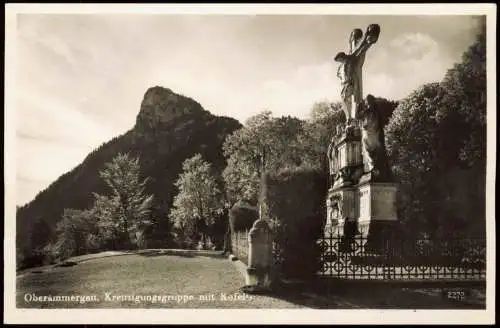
(350, 69)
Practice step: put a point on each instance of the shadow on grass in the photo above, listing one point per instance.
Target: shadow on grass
(180, 252)
(155, 253)
(66, 264)
(378, 295)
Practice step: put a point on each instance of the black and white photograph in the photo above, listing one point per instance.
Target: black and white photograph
(311, 163)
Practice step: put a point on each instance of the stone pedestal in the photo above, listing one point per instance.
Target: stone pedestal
(259, 255)
(342, 200)
(377, 202)
(359, 203)
(378, 220)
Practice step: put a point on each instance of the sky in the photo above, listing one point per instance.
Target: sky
(80, 78)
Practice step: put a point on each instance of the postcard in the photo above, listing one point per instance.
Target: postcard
(250, 163)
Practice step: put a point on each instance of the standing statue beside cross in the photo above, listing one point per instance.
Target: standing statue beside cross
(350, 70)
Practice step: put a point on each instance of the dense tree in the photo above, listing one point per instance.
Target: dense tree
(437, 144)
(32, 248)
(128, 206)
(39, 232)
(198, 201)
(218, 230)
(263, 143)
(73, 232)
(114, 221)
(465, 86)
(319, 128)
(105, 210)
(159, 233)
(411, 138)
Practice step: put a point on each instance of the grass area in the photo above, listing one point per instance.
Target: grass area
(204, 279)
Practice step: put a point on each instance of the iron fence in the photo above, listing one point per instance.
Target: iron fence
(452, 259)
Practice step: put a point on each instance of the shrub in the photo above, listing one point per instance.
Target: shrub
(295, 201)
(242, 216)
(34, 259)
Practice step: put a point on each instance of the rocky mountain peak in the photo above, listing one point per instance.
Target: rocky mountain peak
(161, 105)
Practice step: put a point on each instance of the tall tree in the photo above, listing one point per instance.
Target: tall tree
(198, 200)
(263, 143)
(437, 143)
(72, 233)
(465, 86)
(128, 201)
(319, 128)
(412, 136)
(159, 234)
(105, 210)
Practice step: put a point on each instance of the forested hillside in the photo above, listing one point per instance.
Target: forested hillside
(169, 128)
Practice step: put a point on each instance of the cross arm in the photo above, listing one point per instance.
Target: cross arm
(363, 47)
(370, 37)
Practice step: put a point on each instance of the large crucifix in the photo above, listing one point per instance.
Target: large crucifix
(350, 69)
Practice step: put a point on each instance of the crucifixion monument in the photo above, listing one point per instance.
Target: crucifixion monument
(361, 193)
(350, 70)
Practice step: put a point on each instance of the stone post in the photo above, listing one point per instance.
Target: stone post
(259, 255)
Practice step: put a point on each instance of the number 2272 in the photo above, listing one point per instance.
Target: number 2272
(455, 295)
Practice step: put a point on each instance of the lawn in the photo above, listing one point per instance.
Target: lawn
(191, 279)
(156, 279)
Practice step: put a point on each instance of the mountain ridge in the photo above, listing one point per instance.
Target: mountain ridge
(169, 128)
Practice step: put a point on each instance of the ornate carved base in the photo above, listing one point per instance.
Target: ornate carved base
(342, 205)
(348, 176)
(347, 157)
